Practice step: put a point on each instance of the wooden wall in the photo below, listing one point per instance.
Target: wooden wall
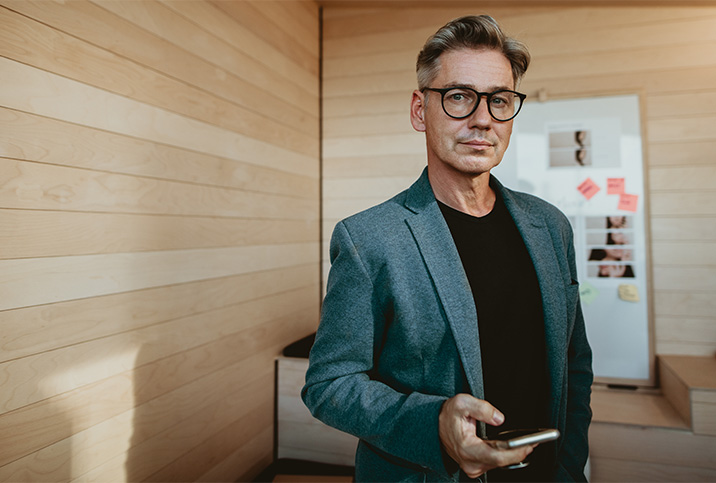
(668, 54)
(159, 233)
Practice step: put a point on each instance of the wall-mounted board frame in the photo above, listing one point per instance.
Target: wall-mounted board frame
(586, 157)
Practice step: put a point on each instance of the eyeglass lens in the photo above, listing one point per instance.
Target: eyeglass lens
(461, 102)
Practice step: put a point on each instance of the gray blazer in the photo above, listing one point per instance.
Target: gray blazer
(399, 335)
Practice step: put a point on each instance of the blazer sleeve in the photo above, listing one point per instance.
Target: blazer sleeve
(339, 389)
(575, 448)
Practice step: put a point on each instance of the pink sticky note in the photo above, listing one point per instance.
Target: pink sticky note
(628, 202)
(615, 186)
(588, 188)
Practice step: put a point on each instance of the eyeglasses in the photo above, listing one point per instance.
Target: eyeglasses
(461, 102)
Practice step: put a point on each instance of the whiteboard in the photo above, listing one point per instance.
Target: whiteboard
(585, 156)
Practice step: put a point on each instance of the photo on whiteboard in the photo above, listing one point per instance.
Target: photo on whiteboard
(610, 253)
(570, 148)
(610, 237)
(611, 222)
(609, 270)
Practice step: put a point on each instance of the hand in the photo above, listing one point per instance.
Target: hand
(458, 435)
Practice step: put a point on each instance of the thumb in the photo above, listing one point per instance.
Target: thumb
(482, 410)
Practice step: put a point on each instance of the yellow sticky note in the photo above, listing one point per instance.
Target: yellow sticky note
(628, 292)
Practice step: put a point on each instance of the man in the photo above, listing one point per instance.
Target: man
(452, 310)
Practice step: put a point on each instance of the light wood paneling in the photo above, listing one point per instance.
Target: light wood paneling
(666, 54)
(159, 233)
(30, 234)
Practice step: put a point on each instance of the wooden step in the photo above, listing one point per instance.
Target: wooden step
(635, 408)
(689, 383)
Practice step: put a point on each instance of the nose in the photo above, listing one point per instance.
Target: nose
(481, 118)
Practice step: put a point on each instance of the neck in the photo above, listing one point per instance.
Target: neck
(469, 194)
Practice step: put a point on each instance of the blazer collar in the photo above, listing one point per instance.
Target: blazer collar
(440, 255)
(438, 249)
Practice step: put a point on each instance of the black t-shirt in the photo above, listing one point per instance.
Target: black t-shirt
(510, 323)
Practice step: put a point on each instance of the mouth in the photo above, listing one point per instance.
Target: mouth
(478, 144)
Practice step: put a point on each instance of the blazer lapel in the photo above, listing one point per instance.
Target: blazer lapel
(538, 241)
(440, 255)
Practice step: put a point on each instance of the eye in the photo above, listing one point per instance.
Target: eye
(459, 96)
(499, 100)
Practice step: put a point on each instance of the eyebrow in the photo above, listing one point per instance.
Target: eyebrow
(472, 86)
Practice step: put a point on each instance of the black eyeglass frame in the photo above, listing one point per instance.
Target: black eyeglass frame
(488, 96)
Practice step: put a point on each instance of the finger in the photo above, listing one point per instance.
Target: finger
(504, 457)
(483, 411)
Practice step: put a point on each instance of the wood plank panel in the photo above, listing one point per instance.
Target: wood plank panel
(412, 143)
(693, 153)
(365, 187)
(34, 234)
(683, 229)
(43, 328)
(684, 203)
(98, 26)
(203, 42)
(28, 282)
(216, 438)
(29, 185)
(684, 254)
(21, 133)
(684, 278)
(618, 470)
(592, 43)
(704, 417)
(655, 81)
(652, 445)
(248, 461)
(699, 303)
(681, 103)
(31, 378)
(147, 288)
(175, 444)
(369, 21)
(62, 54)
(596, 28)
(682, 178)
(370, 125)
(241, 38)
(375, 166)
(50, 95)
(50, 420)
(695, 128)
(685, 329)
(628, 61)
(396, 83)
(251, 15)
(346, 106)
(702, 348)
(113, 437)
(607, 35)
(293, 21)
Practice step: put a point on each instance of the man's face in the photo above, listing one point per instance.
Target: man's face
(476, 144)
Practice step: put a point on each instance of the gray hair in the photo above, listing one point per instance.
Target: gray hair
(473, 32)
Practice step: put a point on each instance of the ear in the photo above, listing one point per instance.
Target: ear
(417, 111)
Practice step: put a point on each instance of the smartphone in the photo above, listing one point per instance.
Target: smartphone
(518, 438)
